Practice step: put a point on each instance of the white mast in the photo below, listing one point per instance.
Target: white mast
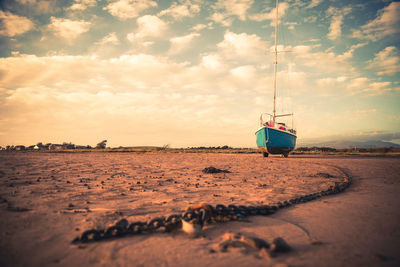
(276, 59)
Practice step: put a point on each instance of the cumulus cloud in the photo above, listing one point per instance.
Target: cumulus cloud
(331, 81)
(212, 61)
(244, 72)
(110, 38)
(378, 88)
(40, 6)
(148, 26)
(386, 62)
(308, 55)
(335, 28)
(358, 82)
(26, 1)
(33, 71)
(106, 47)
(199, 27)
(234, 7)
(386, 23)
(310, 19)
(180, 43)
(222, 19)
(126, 9)
(271, 14)
(91, 73)
(68, 29)
(244, 46)
(13, 25)
(82, 4)
(179, 11)
(226, 10)
(314, 3)
(367, 86)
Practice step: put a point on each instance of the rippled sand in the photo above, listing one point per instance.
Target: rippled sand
(47, 199)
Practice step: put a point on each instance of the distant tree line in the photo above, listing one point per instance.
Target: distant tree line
(355, 149)
(211, 147)
(50, 146)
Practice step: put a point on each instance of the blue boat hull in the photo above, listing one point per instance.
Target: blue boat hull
(274, 141)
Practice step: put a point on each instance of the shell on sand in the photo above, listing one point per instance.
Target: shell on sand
(192, 227)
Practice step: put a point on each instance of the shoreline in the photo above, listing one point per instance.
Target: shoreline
(211, 151)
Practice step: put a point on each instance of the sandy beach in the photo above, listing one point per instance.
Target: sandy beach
(48, 199)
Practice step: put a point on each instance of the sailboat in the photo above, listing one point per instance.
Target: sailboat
(274, 137)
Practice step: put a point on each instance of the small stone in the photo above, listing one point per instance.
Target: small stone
(122, 223)
(255, 242)
(280, 245)
(212, 169)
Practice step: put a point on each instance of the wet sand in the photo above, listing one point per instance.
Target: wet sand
(48, 199)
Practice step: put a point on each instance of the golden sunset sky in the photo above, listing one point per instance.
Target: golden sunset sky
(196, 72)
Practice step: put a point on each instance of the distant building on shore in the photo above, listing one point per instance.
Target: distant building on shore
(20, 148)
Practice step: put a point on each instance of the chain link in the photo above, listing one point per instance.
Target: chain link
(207, 214)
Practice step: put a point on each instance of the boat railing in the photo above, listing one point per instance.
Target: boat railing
(277, 125)
(262, 121)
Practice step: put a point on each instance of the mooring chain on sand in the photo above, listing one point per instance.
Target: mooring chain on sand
(204, 214)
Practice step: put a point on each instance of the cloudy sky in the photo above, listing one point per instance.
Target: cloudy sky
(195, 72)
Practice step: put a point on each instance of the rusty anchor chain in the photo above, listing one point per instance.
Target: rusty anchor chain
(214, 214)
